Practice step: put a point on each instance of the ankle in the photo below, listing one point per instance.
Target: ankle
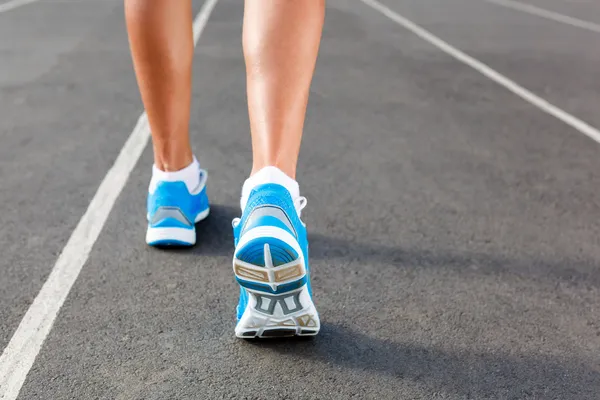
(172, 156)
(190, 175)
(172, 164)
(287, 167)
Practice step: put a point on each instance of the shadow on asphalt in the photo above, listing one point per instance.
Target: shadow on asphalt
(454, 372)
(215, 237)
(567, 270)
(464, 373)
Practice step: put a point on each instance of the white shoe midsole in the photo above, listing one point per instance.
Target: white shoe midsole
(182, 235)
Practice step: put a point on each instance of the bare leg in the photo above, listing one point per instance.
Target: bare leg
(281, 40)
(161, 39)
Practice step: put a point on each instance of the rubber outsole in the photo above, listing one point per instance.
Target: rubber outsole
(258, 322)
(274, 311)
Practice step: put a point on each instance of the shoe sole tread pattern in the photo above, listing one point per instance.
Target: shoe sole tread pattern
(268, 314)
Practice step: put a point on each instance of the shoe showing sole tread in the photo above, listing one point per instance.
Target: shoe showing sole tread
(279, 303)
(290, 314)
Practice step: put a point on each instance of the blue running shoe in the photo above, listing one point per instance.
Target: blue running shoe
(271, 266)
(172, 212)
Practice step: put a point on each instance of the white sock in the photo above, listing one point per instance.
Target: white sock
(269, 175)
(190, 175)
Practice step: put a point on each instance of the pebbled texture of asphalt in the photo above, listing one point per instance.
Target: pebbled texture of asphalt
(453, 227)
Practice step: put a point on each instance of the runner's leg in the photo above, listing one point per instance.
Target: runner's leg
(161, 39)
(281, 40)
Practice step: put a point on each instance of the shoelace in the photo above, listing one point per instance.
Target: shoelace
(299, 203)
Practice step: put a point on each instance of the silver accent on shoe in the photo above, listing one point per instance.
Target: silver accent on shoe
(170, 212)
(271, 211)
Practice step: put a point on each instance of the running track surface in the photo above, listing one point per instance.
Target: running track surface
(455, 226)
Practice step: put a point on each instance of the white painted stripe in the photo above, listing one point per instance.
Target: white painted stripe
(19, 356)
(487, 71)
(11, 5)
(202, 18)
(541, 12)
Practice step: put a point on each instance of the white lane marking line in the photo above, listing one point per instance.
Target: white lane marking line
(202, 18)
(541, 12)
(18, 357)
(487, 71)
(11, 5)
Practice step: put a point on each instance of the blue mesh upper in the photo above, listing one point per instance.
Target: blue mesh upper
(176, 195)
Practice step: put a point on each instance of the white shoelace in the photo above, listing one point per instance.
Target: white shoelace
(299, 203)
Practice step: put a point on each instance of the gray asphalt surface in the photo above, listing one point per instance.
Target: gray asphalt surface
(454, 227)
